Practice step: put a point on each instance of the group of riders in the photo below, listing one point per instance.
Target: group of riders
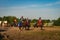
(25, 23)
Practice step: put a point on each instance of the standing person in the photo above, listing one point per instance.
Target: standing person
(40, 23)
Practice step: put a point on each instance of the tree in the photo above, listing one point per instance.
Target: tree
(0, 18)
(46, 21)
(34, 20)
(57, 22)
(10, 19)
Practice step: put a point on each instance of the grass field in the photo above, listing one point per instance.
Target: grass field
(49, 33)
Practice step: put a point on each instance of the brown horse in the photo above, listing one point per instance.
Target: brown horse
(39, 23)
(26, 24)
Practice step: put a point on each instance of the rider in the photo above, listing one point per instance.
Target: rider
(40, 23)
(27, 23)
(20, 24)
(15, 23)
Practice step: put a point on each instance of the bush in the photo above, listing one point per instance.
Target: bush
(57, 22)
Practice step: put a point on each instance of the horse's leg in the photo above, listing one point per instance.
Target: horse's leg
(25, 27)
(28, 27)
(37, 25)
(22, 26)
(41, 27)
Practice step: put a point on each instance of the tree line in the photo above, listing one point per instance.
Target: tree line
(10, 19)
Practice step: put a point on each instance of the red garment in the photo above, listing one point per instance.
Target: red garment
(27, 22)
(39, 22)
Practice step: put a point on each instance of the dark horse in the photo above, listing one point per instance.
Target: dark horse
(26, 24)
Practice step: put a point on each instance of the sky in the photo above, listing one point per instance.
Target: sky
(33, 9)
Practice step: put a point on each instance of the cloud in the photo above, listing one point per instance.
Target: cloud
(45, 13)
(37, 5)
(51, 4)
(57, 2)
(32, 11)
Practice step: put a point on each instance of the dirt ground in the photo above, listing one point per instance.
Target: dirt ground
(48, 33)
